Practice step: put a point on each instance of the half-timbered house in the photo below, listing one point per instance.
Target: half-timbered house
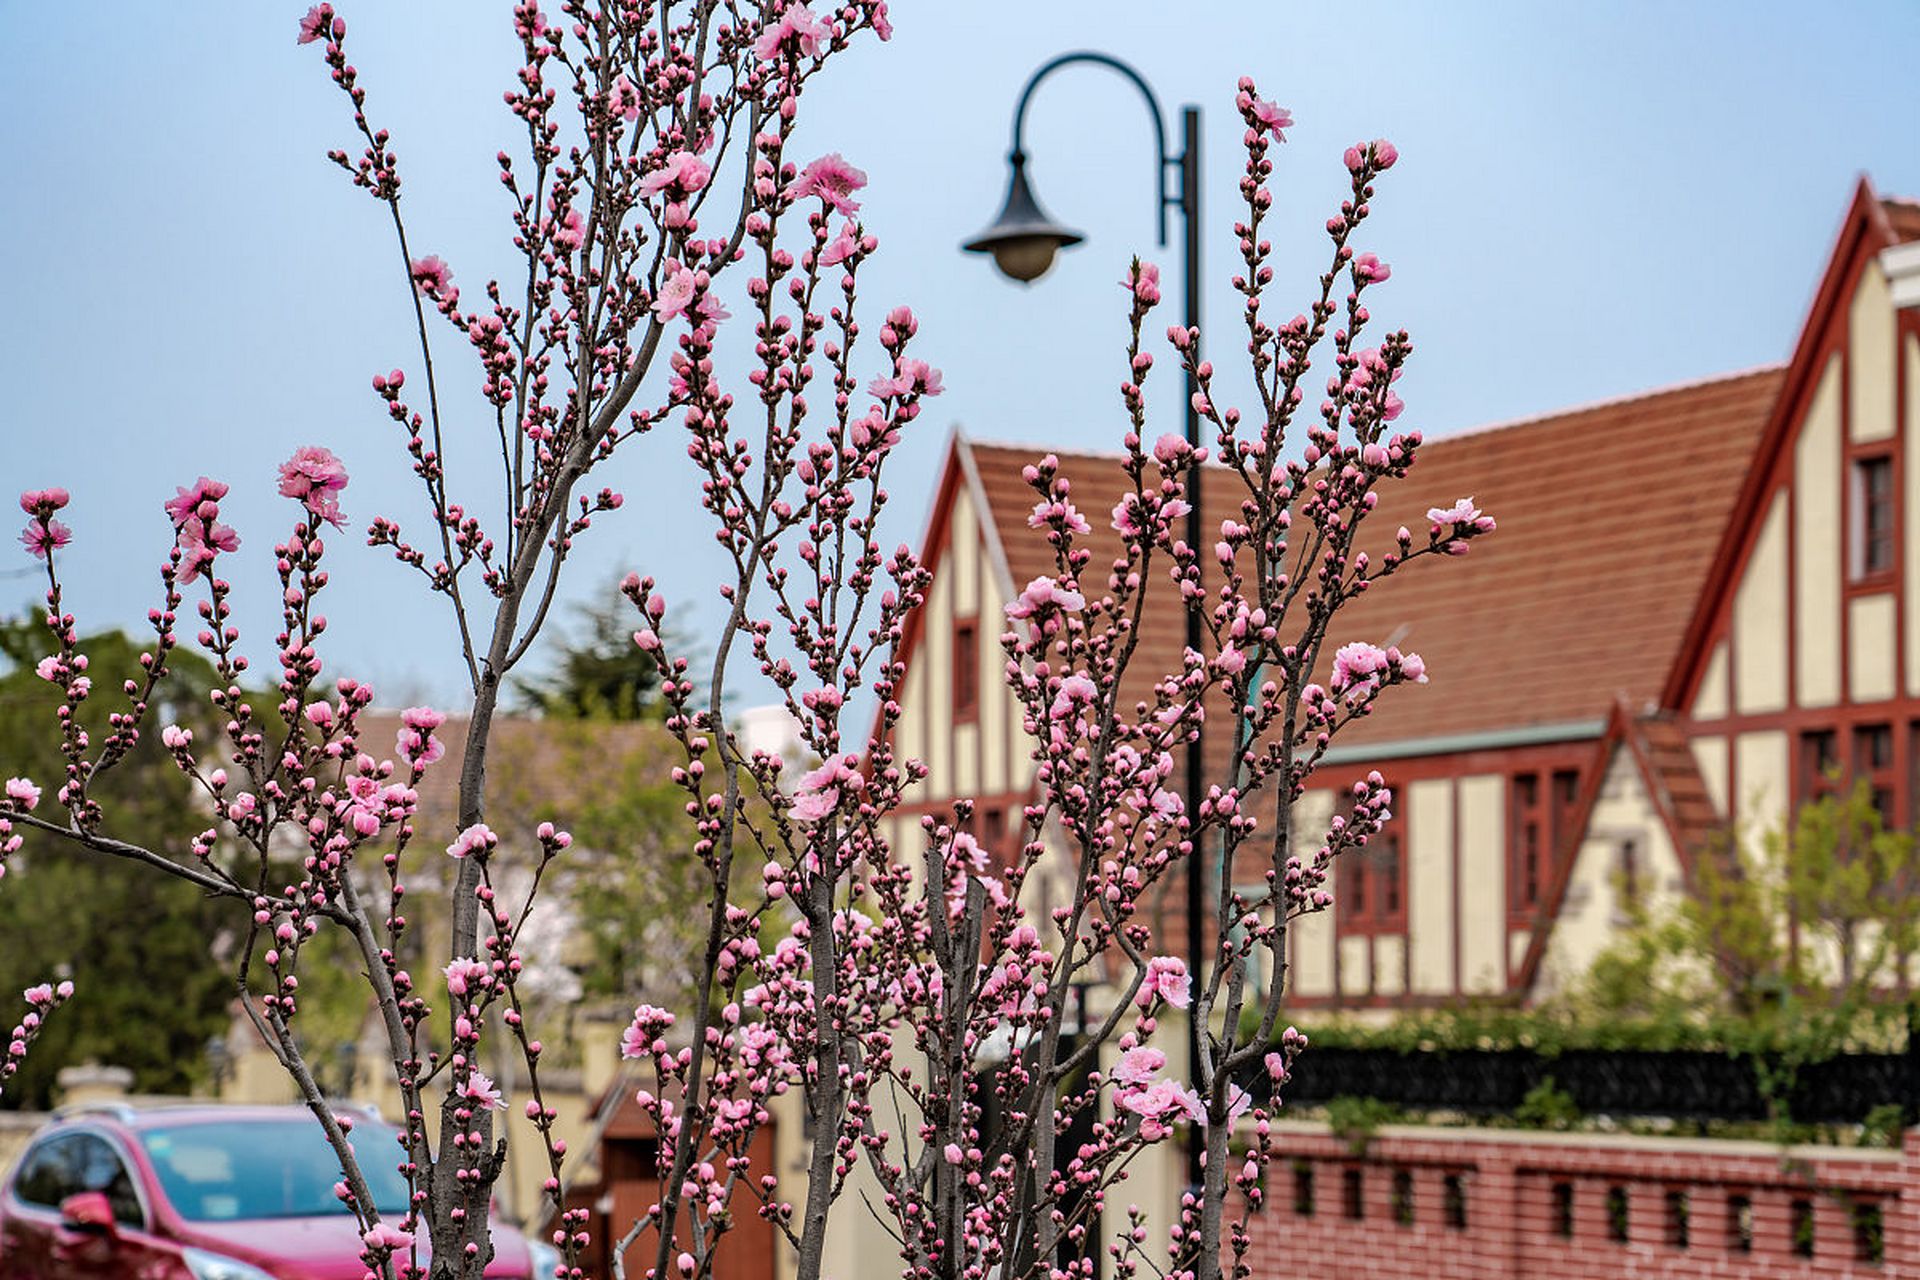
(1699, 603)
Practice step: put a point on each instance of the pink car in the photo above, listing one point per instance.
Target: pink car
(199, 1192)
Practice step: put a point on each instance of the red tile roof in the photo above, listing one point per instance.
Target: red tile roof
(1903, 217)
(1609, 516)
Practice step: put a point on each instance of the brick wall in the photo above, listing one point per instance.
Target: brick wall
(1473, 1204)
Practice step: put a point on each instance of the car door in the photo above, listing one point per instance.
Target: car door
(94, 1253)
(48, 1173)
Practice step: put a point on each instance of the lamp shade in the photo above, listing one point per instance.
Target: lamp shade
(1023, 238)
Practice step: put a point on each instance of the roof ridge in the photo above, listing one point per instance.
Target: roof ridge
(1461, 433)
(1611, 402)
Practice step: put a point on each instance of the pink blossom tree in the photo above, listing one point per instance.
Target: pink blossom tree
(913, 998)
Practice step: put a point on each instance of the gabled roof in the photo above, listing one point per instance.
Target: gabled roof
(1870, 225)
(1608, 517)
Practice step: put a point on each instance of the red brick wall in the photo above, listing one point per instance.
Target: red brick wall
(1515, 1226)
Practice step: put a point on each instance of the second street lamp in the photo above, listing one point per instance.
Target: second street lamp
(1023, 241)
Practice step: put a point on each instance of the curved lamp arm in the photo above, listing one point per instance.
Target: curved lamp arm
(1153, 108)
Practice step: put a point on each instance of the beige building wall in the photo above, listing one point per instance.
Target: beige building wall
(1356, 965)
(1715, 693)
(1389, 964)
(1710, 758)
(1429, 809)
(1870, 355)
(1760, 620)
(1311, 936)
(1483, 878)
(989, 755)
(1817, 552)
(1870, 642)
(1912, 508)
(1594, 910)
(1762, 765)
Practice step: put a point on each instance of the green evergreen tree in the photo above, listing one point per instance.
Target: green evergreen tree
(140, 948)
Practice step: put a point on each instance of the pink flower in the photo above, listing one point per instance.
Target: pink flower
(833, 180)
(465, 975)
(819, 791)
(1357, 664)
(48, 669)
(1380, 151)
(683, 170)
(44, 502)
(1139, 1065)
(1462, 519)
(954, 1154)
(187, 500)
(624, 100)
(39, 996)
(649, 1021)
(387, 1239)
(432, 276)
(1144, 281)
(1368, 269)
(1272, 117)
(1159, 1105)
(1166, 978)
(842, 247)
(1045, 514)
(797, 29)
(881, 26)
(478, 838)
(44, 535)
(315, 24)
(1076, 690)
(1171, 450)
(1413, 667)
(1043, 594)
(572, 231)
(23, 793)
(313, 476)
(479, 1088)
(676, 291)
(415, 742)
(911, 377)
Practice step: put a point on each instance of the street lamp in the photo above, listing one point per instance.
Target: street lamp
(1023, 241)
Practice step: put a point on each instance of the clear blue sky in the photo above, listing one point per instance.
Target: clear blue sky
(1592, 200)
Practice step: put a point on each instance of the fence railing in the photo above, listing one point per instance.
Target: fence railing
(1684, 1084)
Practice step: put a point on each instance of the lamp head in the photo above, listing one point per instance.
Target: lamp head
(1023, 238)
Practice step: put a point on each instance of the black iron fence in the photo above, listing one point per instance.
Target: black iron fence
(1684, 1084)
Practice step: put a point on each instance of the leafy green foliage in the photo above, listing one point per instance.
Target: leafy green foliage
(1355, 1121)
(1547, 1106)
(1824, 913)
(138, 946)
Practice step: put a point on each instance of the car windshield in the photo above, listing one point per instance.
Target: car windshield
(228, 1169)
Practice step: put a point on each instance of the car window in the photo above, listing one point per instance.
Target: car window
(101, 1169)
(49, 1173)
(219, 1171)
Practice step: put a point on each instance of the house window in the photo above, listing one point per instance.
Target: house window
(1873, 763)
(1819, 763)
(1566, 795)
(1528, 844)
(966, 670)
(1373, 883)
(1873, 516)
(1627, 872)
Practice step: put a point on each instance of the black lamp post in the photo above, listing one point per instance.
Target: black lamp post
(1023, 241)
